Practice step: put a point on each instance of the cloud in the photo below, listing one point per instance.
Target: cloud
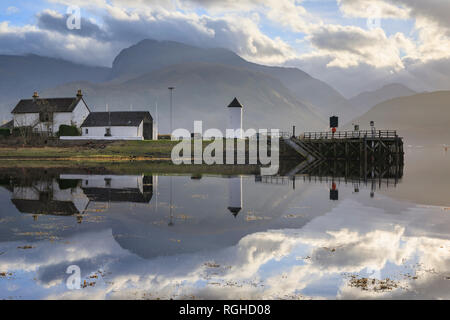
(12, 10)
(372, 9)
(264, 265)
(98, 43)
(259, 31)
(349, 46)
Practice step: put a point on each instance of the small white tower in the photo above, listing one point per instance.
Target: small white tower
(235, 119)
(155, 123)
(235, 195)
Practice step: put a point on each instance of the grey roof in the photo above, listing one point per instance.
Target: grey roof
(235, 104)
(117, 195)
(114, 119)
(38, 105)
(8, 125)
(53, 207)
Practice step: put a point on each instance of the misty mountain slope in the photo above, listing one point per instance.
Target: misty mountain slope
(365, 100)
(20, 76)
(420, 118)
(149, 55)
(203, 91)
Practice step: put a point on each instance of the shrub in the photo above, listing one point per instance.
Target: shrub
(4, 132)
(65, 184)
(65, 130)
(164, 136)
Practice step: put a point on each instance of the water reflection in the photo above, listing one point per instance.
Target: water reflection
(206, 236)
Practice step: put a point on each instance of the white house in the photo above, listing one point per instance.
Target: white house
(122, 125)
(45, 115)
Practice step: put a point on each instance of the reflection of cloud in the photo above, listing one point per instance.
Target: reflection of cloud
(272, 264)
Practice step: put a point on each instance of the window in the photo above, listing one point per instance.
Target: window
(86, 131)
(108, 182)
(44, 117)
(107, 132)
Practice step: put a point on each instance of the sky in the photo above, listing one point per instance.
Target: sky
(354, 45)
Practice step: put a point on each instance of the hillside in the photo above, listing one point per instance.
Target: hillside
(203, 90)
(365, 100)
(20, 76)
(149, 55)
(422, 118)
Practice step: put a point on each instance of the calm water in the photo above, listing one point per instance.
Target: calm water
(162, 236)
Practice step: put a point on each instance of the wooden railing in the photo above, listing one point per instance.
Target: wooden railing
(350, 134)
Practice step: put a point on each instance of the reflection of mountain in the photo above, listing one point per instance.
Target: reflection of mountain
(189, 216)
(200, 219)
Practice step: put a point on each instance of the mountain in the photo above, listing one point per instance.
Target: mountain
(421, 118)
(365, 100)
(203, 91)
(149, 55)
(207, 79)
(20, 76)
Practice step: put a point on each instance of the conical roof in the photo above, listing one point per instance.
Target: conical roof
(234, 210)
(235, 104)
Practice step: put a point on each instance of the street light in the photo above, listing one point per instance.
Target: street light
(171, 99)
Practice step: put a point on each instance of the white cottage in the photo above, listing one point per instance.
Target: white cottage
(45, 115)
(121, 125)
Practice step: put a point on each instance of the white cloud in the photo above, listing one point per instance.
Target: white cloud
(346, 49)
(12, 10)
(264, 265)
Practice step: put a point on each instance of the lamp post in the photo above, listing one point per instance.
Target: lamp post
(171, 99)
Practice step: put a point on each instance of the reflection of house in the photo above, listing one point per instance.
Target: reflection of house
(128, 125)
(72, 194)
(114, 188)
(49, 197)
(46, 115)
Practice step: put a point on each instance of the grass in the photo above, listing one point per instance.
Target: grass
(121, 149)
(128, 167)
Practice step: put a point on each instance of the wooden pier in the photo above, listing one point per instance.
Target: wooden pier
(368, 146)
(381, 149)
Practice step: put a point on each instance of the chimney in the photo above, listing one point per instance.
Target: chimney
(35, 96)
(79, 94)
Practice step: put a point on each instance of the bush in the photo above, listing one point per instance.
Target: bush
(65, 130)
(164, 136)
(4, 132)
(65, 184)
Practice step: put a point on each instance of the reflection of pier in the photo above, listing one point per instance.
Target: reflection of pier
(334, 173)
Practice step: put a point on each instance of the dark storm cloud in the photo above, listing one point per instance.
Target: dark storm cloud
(58, 23)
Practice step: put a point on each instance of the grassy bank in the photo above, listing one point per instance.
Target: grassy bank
(122, 167)
(120, 150)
